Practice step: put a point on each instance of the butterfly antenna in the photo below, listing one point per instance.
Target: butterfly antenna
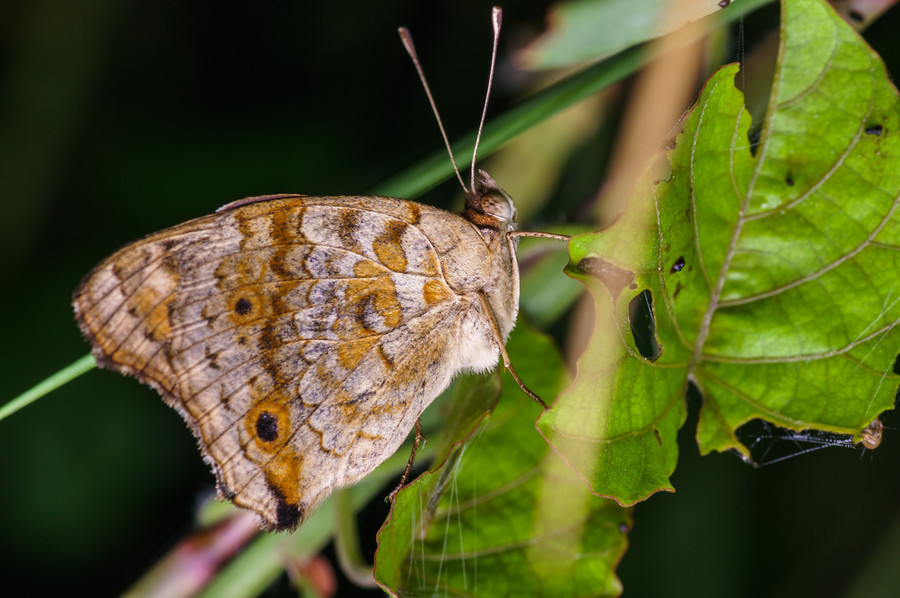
(406, 38)
(496, 20)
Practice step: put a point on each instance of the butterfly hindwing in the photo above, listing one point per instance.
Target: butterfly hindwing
(299, 337)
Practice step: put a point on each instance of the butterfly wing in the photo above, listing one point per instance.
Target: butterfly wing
(299, 337)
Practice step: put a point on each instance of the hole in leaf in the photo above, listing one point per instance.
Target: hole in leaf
(789, 179)
(874, 130)
(678, 265)
(643, 325)
(896, 369)
(694, 398)
(753, 136)
(856, 16)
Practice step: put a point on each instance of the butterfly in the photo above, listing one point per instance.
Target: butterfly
(301, 337)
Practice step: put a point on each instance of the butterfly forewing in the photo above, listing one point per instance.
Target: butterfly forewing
(300, 337)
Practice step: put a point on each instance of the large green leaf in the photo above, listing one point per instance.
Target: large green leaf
(502, 515)
(773, 269)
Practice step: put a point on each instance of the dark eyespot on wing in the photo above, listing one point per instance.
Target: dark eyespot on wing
(267, 426)
(243, 307)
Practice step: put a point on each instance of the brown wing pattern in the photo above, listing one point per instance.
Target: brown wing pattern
(282, 331)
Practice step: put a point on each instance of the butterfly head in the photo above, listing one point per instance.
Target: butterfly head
(490, 207)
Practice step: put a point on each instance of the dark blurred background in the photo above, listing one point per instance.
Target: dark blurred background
(120, 118)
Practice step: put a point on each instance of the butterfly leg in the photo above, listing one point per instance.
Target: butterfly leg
(506, 361)
(412, 457)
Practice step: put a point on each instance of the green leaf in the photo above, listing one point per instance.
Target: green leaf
(502, 514)
(572, 36)
(773, 269)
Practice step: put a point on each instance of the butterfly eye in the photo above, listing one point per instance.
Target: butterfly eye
(499, 205)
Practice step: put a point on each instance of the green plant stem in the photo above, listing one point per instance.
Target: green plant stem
(50, 383)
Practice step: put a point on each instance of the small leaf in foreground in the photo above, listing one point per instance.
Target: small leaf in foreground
(503, 515)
